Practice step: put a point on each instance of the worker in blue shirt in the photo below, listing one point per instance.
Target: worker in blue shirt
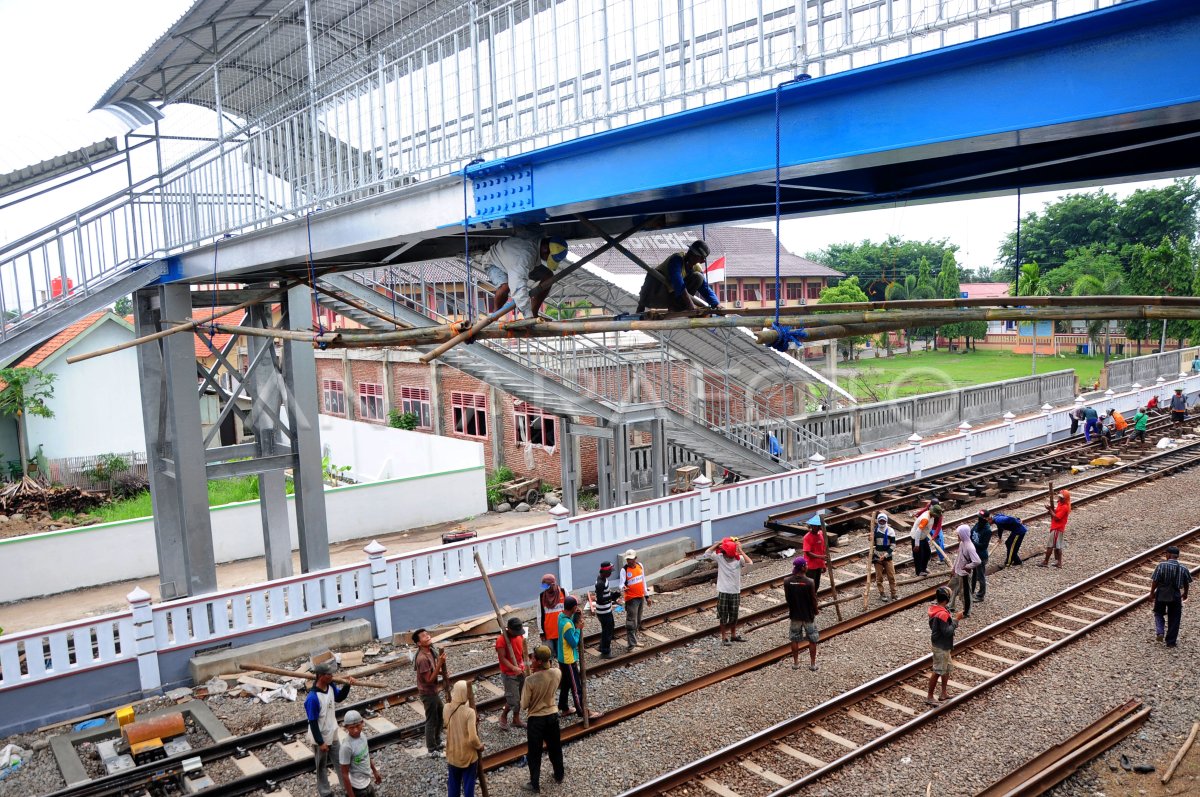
(322, 724)
(1016, 534)
(678, 281)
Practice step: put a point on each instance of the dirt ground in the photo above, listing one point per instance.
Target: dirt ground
(93, 601)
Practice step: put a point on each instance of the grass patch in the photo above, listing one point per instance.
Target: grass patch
(220, 492)
(930, 371)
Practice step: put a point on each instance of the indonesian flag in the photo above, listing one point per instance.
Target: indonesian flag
(715, 271)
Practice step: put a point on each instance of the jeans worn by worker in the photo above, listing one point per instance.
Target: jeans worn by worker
(1170, 612)
(433, 721)
(607, 630)
(633, 619)
(539, 731)
(326, 760)
(460, 781)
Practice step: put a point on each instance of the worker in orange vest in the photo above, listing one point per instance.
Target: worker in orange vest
(633, 591)
(550, 606)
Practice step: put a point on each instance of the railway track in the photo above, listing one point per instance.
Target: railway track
(798, 752)
(392, 729)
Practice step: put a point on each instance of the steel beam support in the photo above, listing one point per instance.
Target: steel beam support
(658, 457)
(175, 448)
(603, 471)
(568, 456)
(300, 381)
(622, 482)
(264, 389)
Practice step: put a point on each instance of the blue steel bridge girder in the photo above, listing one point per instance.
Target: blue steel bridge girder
(1102, 96)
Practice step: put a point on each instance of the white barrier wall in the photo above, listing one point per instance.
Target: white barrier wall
(52, 652)
(375, 452)
(109, 552)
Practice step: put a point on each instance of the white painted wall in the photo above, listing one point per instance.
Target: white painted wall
(376, 452)
(120, 551)
(97, 404)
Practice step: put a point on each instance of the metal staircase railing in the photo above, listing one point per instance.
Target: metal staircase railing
(623, 369)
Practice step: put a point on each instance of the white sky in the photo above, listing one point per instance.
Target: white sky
(61, 55)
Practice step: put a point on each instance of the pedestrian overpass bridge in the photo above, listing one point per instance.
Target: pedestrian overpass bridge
(345, 139)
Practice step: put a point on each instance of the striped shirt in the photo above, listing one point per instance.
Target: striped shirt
(1170, 577)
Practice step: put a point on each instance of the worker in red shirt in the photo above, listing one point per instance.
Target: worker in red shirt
(815, 550)
(1060, 510)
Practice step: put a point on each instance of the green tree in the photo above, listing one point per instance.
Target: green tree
(1150, 214)
(948, 282)
(1070, 223)
(890, 261)
(25, 393)
(123, 306)
(1030, 283)
(899, 291)
(1168, 269)
(848, 290)
(1088, 272)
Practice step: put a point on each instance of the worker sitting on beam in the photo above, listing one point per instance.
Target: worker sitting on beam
(526, 260)
(678, 282)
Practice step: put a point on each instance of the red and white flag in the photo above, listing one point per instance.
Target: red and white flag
(715, 271)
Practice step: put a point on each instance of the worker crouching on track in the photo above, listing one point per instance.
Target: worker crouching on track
(463, 745)
(682, 281)
(801, 594)
(942, 625)
(965, 562)
(322, 722)
(730, 557)
(1016, 535)
(537, 701)
(883, 539)
(359, 775)
(1141, 423)
(1056, 543)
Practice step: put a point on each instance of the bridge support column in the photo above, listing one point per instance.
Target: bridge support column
(300, 382)
(622, 485)
(272, 487)
(568, 456)
(658, 457)
(603, 474)
(174, 445)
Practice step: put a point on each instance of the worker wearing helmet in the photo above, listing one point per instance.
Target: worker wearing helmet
(524, 261)
(678, 281)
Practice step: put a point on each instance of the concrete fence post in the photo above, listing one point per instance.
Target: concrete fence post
(381, 589)
(918, 465)
(562, 518)
(1010, 422)
(1048, 414)
(819, 476)
(704, 488)
(145, 644)
(968, 442)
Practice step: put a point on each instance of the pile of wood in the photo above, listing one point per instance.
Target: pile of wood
(30, 498)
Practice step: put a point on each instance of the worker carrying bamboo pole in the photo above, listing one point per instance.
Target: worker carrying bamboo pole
(677, 282)
(523, 265)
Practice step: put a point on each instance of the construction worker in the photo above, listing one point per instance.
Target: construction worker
(519, 261)
(537, 701)
(682, 280)
(550, 605)
(1141, 422)
(1178, 407)
(634, 595)
(322, 723)
(1059, 511)
(884, 539)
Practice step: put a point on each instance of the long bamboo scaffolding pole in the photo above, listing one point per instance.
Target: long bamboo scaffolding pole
(931, 304)
(469, 333)
(818, 328)
(184, 326)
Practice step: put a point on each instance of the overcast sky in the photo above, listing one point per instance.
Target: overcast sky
(59, 56)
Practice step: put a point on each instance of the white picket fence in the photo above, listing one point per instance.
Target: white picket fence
(146, 629)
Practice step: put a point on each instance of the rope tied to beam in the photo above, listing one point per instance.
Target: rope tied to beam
(787, 336)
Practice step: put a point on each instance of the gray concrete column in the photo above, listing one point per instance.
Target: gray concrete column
(658, 457)
(622, 483)
(435, 398)
(568, 457)
(603, 471)
(300, 378)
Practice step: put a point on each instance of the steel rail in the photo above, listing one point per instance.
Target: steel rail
(1053, 766)
(119, 782)
(739, 750)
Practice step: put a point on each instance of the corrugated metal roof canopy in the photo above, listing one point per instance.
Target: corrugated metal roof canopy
(345, 31)
(36, 173)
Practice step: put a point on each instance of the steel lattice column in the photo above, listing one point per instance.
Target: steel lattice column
(175, 446)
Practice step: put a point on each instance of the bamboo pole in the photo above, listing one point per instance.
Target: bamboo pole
(185, 326)
(579, 653)
(824, 327)
(467, 334)
(337, 679)
(1187, 745)
(487, 583)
